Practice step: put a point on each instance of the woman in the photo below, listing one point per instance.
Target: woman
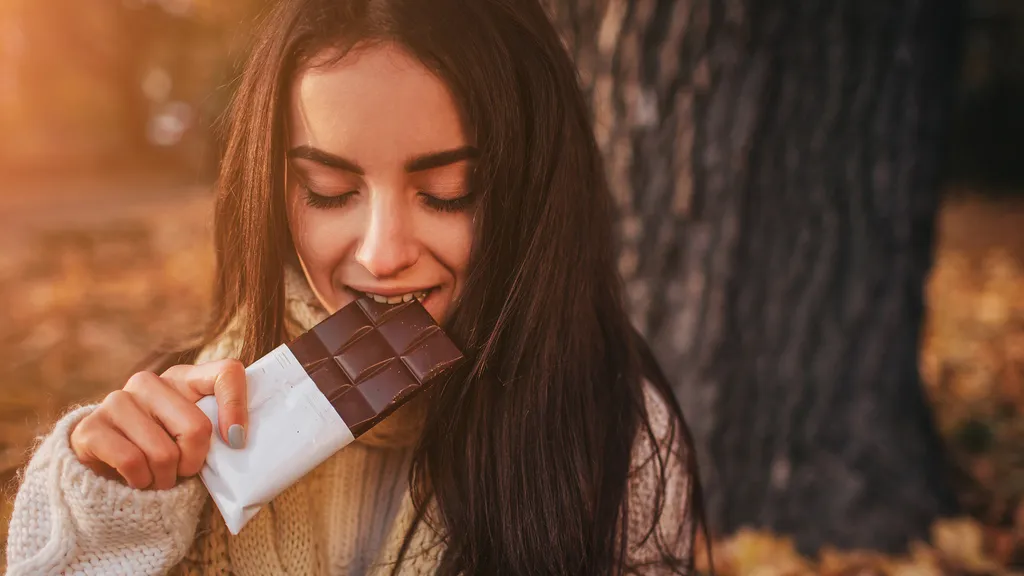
(438, 150)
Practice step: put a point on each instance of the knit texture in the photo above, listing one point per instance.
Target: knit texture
(347, 517)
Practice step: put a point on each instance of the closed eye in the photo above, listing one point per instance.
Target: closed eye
(321, 201)
(448, 205)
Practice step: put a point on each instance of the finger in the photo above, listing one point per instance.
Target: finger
(162, 454)
(183, 420)
(99, 442)
(225, 379)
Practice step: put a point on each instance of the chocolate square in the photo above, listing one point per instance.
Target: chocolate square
(342, 328)
(432, 356)
(365, 355)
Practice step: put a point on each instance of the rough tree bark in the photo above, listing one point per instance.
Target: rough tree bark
(776, 164)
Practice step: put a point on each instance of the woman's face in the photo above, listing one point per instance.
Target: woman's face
(377, 189)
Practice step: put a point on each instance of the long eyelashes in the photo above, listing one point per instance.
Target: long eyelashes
(320, 201)
(453, 205)
(315, 200)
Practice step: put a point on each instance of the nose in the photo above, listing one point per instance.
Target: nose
(387, 245)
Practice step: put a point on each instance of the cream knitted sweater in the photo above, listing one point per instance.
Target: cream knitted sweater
(347, 517)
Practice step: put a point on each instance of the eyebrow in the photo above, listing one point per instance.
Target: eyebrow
(414, 164)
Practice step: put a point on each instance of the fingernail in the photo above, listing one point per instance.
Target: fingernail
(236, 436)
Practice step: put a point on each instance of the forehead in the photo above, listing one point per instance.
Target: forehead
(378, 105)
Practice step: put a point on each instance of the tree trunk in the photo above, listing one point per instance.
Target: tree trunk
(777, 165)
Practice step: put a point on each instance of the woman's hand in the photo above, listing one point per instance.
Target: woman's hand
(150, 433)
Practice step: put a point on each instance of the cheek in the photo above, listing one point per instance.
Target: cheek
(318, 236)
(451, 240)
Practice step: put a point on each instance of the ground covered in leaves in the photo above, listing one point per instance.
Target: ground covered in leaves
(92, 289)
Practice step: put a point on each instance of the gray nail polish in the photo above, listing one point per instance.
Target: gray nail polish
(236, 436)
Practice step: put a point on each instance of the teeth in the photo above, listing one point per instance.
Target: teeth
(398, 299)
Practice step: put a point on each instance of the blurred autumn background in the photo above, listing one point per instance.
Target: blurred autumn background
(108, 112)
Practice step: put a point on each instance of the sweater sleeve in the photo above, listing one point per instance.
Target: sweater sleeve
(68, 520)
(662, 525)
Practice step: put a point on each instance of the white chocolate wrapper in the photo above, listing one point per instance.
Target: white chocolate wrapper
(292, 429)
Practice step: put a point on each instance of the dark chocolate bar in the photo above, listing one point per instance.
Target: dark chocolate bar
(370, 358)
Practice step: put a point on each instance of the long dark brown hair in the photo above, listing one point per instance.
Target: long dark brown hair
(527, 452)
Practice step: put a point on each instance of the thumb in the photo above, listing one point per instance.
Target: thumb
(225, 380)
